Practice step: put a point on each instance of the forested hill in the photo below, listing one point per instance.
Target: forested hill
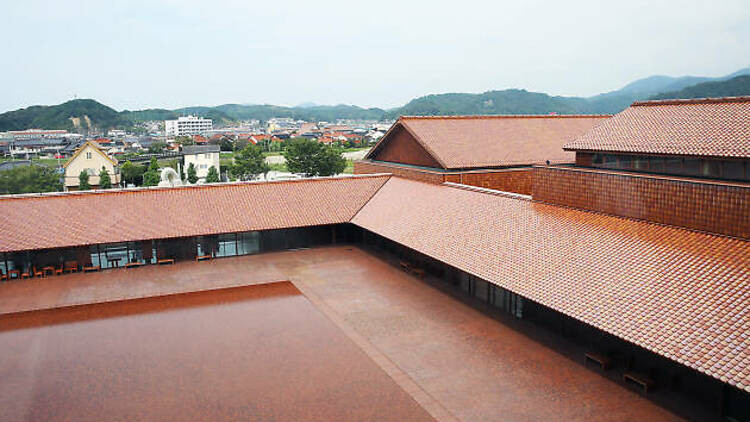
(730, 88)
(83, 114)
(71, 115)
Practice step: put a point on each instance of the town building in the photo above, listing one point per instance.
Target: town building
(37, 133)
(187, 126)
(495, 152)
(90, 158)
(202, 157)
(116, 133)
(597, 297)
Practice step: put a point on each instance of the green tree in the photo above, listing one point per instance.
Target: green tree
(312, 158)
(226, 144)
(105, 182)
(83, 180)
(240, 144)
(213, 175)
(132, 174)
(157, 147)
(29, 179)
(151, 176)
(249, 163)
(192, 175)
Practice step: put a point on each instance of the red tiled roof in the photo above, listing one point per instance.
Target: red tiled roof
(492, 141)
(681, 294)
(72, 219)
(718, 127)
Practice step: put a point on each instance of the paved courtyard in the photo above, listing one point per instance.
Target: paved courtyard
(455, 361)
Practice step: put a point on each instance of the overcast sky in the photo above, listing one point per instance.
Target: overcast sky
(142, 54)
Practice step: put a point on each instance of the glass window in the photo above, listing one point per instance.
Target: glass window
(673, 165)
(112, 255)
(656, 164)
(691, 167)
(227, 245)
(640, 163)
(273, 240)
(734, 170)
(135, 252)
(481, 289)
(610, 161)
(248, 243)
(598, 159)
(297, 238)
(710, 168)
(626, 162)
(95, 258)
(207, 245)
(323, 235)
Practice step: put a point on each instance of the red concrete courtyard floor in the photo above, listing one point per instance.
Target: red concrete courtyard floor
(454, 360)
(259, 353)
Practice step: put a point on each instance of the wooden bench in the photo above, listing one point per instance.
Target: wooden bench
(91, 269)
(419, 272)
(133, 264)
(203, 257)
(165, 261)
(405, 266)
(602, 360)
(641, 379)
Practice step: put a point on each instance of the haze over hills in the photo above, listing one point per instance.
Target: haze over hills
(85, 113)
(736, 86)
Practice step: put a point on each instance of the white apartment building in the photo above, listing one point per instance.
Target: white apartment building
(187, 126)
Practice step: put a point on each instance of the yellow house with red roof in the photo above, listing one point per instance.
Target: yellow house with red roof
(91, 158)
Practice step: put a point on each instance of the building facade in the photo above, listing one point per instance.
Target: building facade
(91, 159)
(494, 152)
(202, 157)
(187, 126)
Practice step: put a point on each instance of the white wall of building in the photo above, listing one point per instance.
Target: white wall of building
(202, 162)
(187, 126)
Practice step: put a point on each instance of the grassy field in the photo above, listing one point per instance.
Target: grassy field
(49, 162)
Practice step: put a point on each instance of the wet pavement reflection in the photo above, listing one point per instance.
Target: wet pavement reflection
(261, 352)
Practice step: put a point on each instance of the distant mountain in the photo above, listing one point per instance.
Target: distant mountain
(736, 86)
(149, 115)
(71, 115)
(510, 101)
(84, 114)
(518, 101)
(310, 113)
(615, 101)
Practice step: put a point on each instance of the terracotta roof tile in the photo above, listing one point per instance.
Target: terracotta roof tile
(492, 141)
(718, 127)
(679, 293)
(72, 219)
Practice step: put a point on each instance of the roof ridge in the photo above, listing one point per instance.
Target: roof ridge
(681, 101)
(196, 186)
(367, 201)
(506, 116)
